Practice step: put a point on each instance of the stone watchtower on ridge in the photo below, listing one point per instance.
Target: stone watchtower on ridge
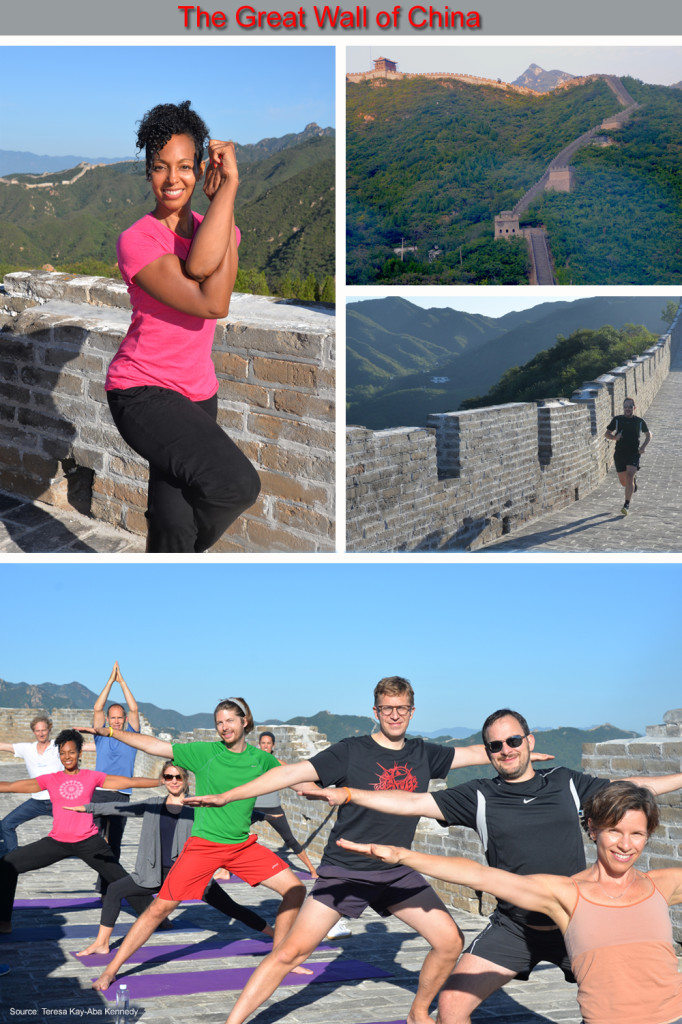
(507, 225)
(385, 65)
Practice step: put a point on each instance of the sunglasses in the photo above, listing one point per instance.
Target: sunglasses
(167, 778)
(495, 746)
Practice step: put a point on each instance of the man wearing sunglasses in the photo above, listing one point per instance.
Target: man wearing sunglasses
(528, 821)
(387, 762)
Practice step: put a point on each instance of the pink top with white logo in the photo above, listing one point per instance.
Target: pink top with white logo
(71, 791)
(163, 347)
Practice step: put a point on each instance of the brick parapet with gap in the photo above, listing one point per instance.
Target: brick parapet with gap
(470, 477)
(276, 399)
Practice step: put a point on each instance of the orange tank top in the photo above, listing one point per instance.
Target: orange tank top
(624, 961)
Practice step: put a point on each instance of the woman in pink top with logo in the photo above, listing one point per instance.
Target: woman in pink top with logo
(614, 918)
(72, 835)
(162, 389)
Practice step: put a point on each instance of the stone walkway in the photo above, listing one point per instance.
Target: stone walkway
(594, 523)
(44, 976)
(35, 528)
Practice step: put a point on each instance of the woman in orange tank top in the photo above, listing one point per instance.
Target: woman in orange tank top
(614, 918)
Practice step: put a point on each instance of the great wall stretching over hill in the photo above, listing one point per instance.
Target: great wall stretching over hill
(471, 477)
(275, 364)
(657, 753)
(84, 168)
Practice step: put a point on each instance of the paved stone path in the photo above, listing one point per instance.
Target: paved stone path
(36, 528)
(45, 977)
(594, 523)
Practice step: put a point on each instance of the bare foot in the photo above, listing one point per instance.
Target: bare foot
(222, 875)
(94, 948)
(103, 982)
(416, 1018)
(300, 970)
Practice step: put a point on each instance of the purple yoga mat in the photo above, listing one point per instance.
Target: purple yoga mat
(162, 954)
(76, 901)
(74, 931)
(187, 983)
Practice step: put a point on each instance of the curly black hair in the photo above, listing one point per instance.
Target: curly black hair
(69, 736)
(165, 120)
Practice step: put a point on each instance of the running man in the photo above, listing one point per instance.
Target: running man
(528, 822)
(627, 431)
(348, 882)
(220, 837)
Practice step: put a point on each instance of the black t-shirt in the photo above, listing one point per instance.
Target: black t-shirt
(631, 428)
(362, 763)
(527, 827)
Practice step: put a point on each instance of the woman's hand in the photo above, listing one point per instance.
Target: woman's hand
(334, 797)
(388, 854)
(221, 169)
(65, 808)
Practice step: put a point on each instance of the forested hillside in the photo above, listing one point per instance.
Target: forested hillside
(386, 388)
(285, 209)
(434, 161)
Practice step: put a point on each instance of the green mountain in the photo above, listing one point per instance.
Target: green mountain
(505, 342)
(285, 209)
(433, 161)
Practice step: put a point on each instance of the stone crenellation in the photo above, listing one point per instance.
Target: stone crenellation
(658, 753)
(471, 477)
(275, 364)
(355, 77)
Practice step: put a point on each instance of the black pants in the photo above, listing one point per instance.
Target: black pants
(110, 826)
(276, 817)
(139, 899)
(94, 851)
(199, 480)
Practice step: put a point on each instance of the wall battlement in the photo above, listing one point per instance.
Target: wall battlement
(471, 477)
(275, 364)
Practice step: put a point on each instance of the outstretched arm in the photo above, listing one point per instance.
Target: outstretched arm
(98, 715)
(277, 778)
(9, 747)
(150, 744)
(124, 782)
(553, 895)
(133, 713)
(21, 786)
(658, 784)
(463, 757)
(389, 801)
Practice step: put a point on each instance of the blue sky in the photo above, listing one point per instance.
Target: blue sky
(660, 65)
(85, 100)
(568, 644)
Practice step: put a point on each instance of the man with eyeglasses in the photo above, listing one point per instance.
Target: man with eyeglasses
(528, 821)
(627, 431)
(385, 762)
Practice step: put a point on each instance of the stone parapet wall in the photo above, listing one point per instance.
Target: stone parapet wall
(275, 365)
(15, 727)
(471, 477)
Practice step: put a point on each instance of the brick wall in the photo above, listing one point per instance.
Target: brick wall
(58, 444)
(470, 477)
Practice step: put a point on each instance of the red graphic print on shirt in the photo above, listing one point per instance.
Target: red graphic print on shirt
(400, 776)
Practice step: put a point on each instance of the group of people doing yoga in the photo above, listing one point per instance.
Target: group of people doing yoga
(606, 926)
(161, 386)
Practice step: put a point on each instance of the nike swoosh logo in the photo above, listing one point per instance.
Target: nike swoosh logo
(529, 799)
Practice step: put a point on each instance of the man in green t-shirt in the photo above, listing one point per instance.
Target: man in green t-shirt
(220, 836)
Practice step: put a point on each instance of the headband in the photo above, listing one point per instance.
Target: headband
(236, 700)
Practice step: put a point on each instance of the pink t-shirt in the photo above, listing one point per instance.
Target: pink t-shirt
(71, 791)
(163, 347)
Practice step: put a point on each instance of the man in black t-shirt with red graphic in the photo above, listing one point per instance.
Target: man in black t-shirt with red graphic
(348, 882)
(528, 822)
(627, 431)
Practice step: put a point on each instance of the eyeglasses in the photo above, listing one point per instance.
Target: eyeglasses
(495, 746)
(386, 710)
(167, 778)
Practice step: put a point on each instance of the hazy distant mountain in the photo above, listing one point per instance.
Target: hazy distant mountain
(16, 162)
(400, 369)
(266, 147)
(535, 77)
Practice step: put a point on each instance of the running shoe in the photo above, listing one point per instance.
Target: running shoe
(339, 931)
(624, 511)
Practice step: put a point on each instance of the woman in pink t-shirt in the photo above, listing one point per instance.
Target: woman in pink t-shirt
(72, 835)
(162, 389)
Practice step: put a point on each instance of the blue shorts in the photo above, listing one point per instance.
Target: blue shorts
(350, 893)
(519, 948)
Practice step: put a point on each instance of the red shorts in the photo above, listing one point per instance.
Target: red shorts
(201, 858)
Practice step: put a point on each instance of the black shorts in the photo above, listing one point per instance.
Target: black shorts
(624, 459)
(350, 894)
(519, 948)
